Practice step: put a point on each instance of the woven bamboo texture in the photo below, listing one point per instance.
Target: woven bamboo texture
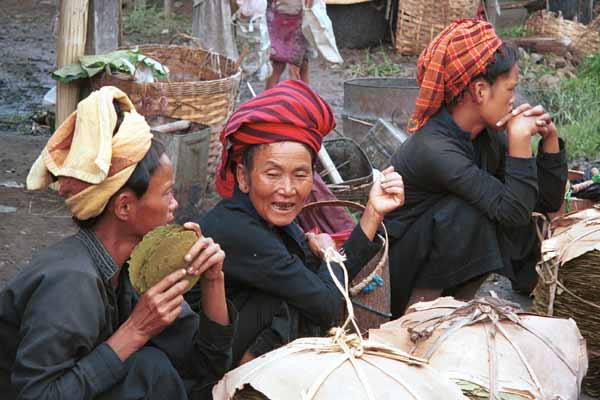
(580, 276)
(214, 157)
(355, 168)
(202, 86)
(419, 21)
(585, 40)
(373, 308)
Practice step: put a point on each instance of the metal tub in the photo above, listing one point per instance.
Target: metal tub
(367, 99)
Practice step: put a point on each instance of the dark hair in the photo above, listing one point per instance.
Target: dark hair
(501, 63)
(250, 151)
(139, 180)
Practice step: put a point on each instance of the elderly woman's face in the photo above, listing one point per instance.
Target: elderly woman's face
(279, 182)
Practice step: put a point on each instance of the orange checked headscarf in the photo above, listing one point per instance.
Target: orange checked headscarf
(446, 67)
(290, 111)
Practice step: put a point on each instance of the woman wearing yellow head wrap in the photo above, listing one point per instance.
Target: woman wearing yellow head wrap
(71, 325)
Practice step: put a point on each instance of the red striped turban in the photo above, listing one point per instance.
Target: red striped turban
(445, 68)
(290, 111)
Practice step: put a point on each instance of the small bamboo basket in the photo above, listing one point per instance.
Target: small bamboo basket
(419, 21)
(355, 168)
(570, 290)
(371, 308)
(202, 86)
(585, 40)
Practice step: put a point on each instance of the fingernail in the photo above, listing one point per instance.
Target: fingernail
(188, 258)
(190, 270)
(499, 123)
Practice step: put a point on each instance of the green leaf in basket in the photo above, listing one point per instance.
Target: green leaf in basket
(160, 71)
(95, 64)
(69, 73)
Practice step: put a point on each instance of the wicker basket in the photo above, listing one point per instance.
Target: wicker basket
(202, 86)
(355, 168)
(371, 308)
(570, 291)
(419, 21)
(585, 40)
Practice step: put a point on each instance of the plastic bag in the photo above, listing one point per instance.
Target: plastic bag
(253, 34)
(318, 30)
(252, 8)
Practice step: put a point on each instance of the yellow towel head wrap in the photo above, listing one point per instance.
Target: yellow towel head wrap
(84, 148)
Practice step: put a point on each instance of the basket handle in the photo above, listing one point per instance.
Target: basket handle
(354, 290)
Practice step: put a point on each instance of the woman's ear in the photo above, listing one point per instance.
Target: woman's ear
(242, 178)
(124, 204)
(480, 90)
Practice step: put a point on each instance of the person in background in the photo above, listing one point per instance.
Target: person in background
(470, 177)
(288, 44)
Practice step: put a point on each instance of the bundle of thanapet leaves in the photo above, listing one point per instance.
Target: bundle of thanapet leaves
(120, 61)
(341, 366)
(568, 284)
(491, 349)
(160, 252)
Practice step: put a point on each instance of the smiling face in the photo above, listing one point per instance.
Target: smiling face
(499, 97)
(279, 181)
(157, 205)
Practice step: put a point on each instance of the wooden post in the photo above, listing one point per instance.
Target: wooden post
(168, 8)
(103, 26)
(71, 46)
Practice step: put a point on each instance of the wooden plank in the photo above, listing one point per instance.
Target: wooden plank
(71, 45)
(542, 44)
(103, 26)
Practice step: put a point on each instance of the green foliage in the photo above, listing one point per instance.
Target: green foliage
(513, 32)
(144, 25)
(377, 65)
(575, 107)
(590, 67)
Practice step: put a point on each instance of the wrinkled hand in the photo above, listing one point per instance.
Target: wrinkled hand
(205, 257)
(317, 242)
(387, 192)
(159, 306)
(529, 120)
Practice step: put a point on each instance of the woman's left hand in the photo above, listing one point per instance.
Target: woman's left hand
(319, 242)
(205, 257)
(387, 192)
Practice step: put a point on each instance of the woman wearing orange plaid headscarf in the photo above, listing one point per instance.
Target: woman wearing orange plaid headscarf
(470, 186)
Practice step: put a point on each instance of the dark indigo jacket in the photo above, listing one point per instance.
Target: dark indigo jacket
(277, 261)
(56, 314)
(444, 173)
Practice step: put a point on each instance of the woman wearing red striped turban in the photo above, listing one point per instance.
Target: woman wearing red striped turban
(273, 274)
(471, 186)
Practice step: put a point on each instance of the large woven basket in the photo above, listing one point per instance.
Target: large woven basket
(202, 86)
(355, 168)
(570, 290)
(371, 308)
(585, 40)
(419, 21)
